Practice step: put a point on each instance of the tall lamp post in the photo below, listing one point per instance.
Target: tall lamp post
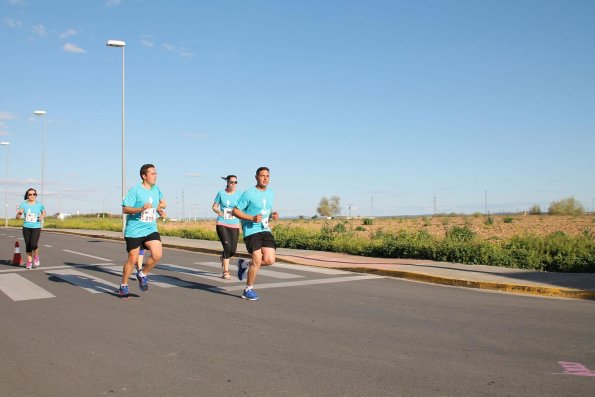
(121, 44)
(6, 185)
(42, 113)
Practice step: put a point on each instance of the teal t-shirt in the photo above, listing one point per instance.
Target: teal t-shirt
(142, 223)
(32, 214)
(226, 203)
(254, 202)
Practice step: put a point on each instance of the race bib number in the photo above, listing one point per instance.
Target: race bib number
(148, 215)
(30, 217)
(228, 214)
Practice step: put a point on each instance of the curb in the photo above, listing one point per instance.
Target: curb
(500, 287)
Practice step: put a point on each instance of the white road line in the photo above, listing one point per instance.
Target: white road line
(87, 255)
(43, 268)
(262, 272)
(49, 246)
(19, 288)
(195, 273)
(93, 284)
(154, 279)
(311, 269)
(306, 282)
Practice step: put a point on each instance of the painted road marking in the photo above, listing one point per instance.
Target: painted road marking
(305, 282)
(19, 288)
(192, 272)
(90, 283)
(311, 269)
(87, 255)
(154, 279)
(262, 272)
(576, 369)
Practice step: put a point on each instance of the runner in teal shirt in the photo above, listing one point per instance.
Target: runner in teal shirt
(34, 213)
(227, 226)
(255, 209)
(143, 204)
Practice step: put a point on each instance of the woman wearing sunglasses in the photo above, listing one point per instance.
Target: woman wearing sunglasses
(228, 226)
(34, 213)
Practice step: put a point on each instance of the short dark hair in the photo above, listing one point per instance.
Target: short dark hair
(228, 177)
(28, 190)
(262, 169)
(144, 169)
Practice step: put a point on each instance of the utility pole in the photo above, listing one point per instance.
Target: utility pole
(434, 204)
(372, 207)
(486, 200)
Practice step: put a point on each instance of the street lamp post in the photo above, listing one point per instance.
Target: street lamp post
(121, 44)
(6, 185)
(42, 113)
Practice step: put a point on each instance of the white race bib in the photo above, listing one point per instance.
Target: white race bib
(265, 218)
(228, 213)
(148, 215)
(30, 217)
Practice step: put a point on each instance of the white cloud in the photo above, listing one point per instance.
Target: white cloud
(194, 174)
(147, 41)
(68, 33)
(111, 3)
(11, 23)
(72, 48)
(186, 54)
(169, 47)
(40, 30)
(6, 116)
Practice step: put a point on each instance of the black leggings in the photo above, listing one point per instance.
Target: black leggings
(31, 236)
(229, 239)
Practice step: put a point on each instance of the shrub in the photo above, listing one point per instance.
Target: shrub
(535, 210)
(460, 234)
(508, 219)
(489, 220)
(368, 221)
(568, 206)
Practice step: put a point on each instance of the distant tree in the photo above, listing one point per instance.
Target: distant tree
(535, 210)
(329, 207)
(567, 206)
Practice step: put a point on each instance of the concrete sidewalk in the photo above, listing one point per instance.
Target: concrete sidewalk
(567, 285)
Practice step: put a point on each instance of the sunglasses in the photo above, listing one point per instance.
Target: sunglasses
(233, 182)
(31, 194)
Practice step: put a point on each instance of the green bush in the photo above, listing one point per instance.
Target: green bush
(508, 219)
(567, 206)
(368, 221)
(460, 234)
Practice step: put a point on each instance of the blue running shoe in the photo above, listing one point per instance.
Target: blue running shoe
(242, 267)
(250, 295)
(143, 282)
(123, 290)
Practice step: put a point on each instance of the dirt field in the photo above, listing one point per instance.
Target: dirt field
(502, 227)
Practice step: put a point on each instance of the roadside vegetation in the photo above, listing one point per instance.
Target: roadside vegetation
(560, 243)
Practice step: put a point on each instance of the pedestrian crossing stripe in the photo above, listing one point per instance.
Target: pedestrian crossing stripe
(87, 282)
(18, 288)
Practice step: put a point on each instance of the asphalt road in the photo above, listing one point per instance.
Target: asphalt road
(65, 332)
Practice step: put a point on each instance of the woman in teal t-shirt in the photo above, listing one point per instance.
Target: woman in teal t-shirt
(228, 226)
(34, 213)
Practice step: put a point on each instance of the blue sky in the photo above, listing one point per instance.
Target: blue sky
(397, 107)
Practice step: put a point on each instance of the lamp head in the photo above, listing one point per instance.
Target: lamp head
(39, 112)
(116, 43)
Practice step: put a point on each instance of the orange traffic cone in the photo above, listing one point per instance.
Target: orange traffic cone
(16, 259)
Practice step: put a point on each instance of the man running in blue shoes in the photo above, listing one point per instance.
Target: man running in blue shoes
(255, 209)
(143, 203)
